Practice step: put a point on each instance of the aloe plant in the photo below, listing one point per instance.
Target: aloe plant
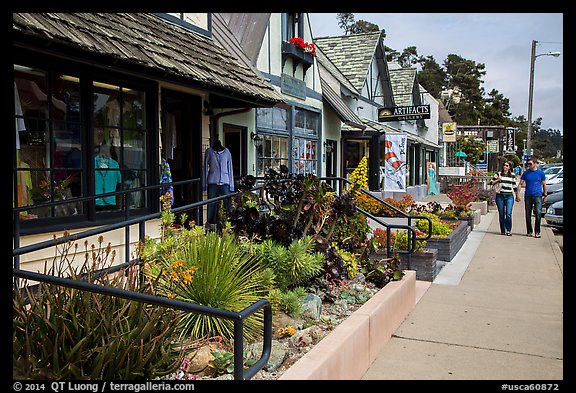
(65, 333)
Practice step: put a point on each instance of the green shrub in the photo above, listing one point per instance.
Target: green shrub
(439, 228)
(65, 333)
(212, 270)
(293, 265)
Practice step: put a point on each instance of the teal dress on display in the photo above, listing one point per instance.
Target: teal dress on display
(432, 182)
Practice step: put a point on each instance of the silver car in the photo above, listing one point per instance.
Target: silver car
(555, 194)
(555, 215)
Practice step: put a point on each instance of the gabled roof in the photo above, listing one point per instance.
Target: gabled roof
(249, 29)
(351, 54)
(402, 81)
(149, 43)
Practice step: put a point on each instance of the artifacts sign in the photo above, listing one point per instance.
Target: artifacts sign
(397, 113)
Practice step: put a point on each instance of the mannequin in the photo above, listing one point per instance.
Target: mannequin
(218, 177)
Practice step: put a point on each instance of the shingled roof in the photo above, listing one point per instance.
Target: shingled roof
(351, 54)
(402, 81)
(146, 40)
(335, 72)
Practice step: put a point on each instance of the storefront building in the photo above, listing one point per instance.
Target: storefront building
(102, 100)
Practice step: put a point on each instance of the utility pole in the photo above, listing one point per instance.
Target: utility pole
(533, 57)
(530, 98)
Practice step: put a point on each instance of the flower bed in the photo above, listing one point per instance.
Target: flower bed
(348, 351)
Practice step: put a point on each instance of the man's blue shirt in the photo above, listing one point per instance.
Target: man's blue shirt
(533, 180)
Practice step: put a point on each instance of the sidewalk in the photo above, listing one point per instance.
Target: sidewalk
(495, 312)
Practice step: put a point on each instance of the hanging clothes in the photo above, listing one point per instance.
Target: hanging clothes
(106, 177)
(166, 177)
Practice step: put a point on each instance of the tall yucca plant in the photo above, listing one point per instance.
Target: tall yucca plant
(225, 277)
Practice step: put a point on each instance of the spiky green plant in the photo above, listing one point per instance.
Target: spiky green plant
(288, 300)
(293, 265)
(65, 333)
(225, 276)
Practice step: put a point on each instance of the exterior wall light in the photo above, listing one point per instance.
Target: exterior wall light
(257, 139)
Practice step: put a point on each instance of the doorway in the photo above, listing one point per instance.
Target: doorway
(182, 144)
(235, 140)
(331, 150)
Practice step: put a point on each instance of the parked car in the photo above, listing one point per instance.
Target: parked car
(543, 167)
(555, 215)
(553, 171)
(554, 195)
(557, 178)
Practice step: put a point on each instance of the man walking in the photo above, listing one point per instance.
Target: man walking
(534, 182)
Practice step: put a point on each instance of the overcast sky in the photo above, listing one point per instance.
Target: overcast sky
(501, 41)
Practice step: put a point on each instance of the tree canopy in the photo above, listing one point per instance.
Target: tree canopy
(458, 84)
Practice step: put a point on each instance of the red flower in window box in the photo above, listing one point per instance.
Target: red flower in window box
(305, 46)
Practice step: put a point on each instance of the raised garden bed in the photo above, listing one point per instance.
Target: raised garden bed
(348, 351)
(449, 246)
(423, 262)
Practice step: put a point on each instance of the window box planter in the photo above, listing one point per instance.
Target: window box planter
(298, 56)
(449, 246)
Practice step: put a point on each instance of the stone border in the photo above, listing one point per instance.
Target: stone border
(348, 351)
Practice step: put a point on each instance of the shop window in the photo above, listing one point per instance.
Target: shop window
(119, 145)
(304, 156)
(53, 151)
(49, 148)
(272, 153)
(306, 122)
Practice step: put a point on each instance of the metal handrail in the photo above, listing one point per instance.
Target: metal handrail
(237, 317)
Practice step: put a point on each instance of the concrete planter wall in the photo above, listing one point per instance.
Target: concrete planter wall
(483, 206)
(347, 352)
(449, 246)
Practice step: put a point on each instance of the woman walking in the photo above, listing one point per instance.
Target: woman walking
(505, 182)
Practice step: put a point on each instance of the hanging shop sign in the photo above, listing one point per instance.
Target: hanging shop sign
(397, 113)
(509, 145)
(449, 132)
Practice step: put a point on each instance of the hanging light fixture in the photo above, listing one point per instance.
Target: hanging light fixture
(328, 147)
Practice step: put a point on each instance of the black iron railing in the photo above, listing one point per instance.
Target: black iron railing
(237, 317)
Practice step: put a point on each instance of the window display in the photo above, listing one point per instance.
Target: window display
(54, 154)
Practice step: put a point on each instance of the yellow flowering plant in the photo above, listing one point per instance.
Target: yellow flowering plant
(359, 175)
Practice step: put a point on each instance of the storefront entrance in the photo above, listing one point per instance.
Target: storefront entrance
(181, 143)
